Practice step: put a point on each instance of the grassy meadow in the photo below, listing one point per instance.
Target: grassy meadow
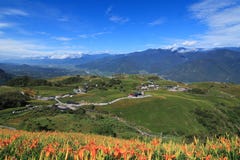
(208, 109)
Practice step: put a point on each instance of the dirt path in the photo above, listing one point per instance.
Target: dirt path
(144, 133)
(11, 128)
(136, 128)
(77, 106)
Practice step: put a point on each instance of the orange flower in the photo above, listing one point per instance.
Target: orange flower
(169, 157)
(141, 157)
(49, 150)
(106, 150)
(214, 147)
(155, 142)
(208, 157)
(34, 144)
(117, 153)
(81, 153)
(132, 152)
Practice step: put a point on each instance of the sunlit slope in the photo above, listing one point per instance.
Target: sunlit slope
(180, 113)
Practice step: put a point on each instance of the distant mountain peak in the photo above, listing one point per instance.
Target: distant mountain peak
(65, 56)
(183, 49)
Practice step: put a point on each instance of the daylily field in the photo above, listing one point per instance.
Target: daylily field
(15, 144)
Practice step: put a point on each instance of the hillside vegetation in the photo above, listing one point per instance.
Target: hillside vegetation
(4, 76)
(179, 64)
(202, 109)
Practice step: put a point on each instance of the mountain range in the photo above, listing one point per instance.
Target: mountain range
(179, 64)
(4, 76)
(220, 64)
(36, 71)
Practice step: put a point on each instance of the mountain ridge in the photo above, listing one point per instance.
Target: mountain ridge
(214, 64)
(180, 64)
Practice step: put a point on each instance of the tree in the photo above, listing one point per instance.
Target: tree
(13, 99)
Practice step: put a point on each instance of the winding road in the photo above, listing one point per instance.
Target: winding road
(75, 106)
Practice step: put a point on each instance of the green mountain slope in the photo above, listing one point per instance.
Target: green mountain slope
(4, 77)
(182, 113)
(207, 108)
(218, 65)
(221, 64)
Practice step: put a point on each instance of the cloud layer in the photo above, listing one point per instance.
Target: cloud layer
(62, 38)
(115, 18)
(5, 25)
(222, 19)
(12, 12)
(156, 22)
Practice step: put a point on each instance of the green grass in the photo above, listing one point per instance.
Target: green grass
(4, 89)
(49, 118)
(96, 96)
(174, 112)
(57, 79)
(167, 115)
(52, 90)
(170, 113)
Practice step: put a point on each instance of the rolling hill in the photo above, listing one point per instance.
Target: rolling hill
(205, 109)
(222, 64)
(179, 64)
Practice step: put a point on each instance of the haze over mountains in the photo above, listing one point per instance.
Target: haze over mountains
(180, 64)
(222, 64)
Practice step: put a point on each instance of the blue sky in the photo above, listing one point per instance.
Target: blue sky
(59, 28)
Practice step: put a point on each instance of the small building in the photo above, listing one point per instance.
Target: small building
(79, 91)
(136, 94)
(149, 87)
(177, 89)
(144, 88)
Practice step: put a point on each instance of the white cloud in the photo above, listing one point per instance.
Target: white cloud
(93, 35)
(177, 47)
(222, 20)
(172, 46)
(66, 54)
(19, 48)
(115, 18)
(118, 19)
(206, 7)
(109, 10)
(5, 25)
(13, 12)
(189, 43)
(12, 48)
(62, 38)
(156, 22)
(84, 36)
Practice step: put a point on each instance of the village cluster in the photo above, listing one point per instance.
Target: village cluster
(139, 93)
(150, 86)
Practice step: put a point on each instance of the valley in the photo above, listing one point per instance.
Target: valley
(124, 106)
